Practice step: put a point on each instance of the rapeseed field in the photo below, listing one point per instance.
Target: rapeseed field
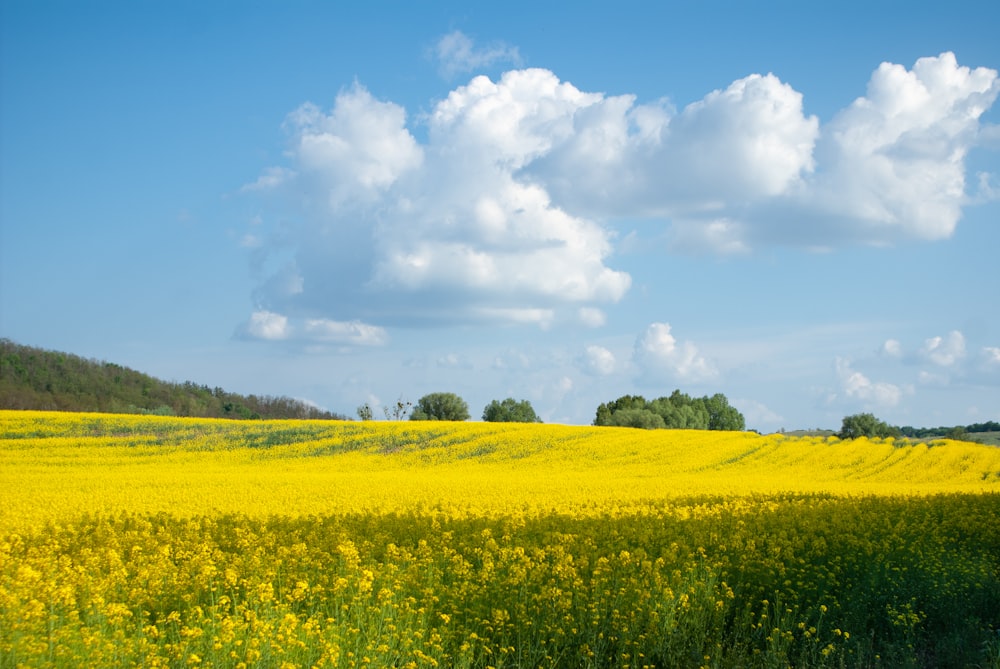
(169, 542)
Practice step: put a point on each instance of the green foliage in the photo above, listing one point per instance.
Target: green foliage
(640, 418)
(678, 411)
(510, 411)
(32, 378)
(365, 412)
(440, 406)
(865, 425)
(975, 428)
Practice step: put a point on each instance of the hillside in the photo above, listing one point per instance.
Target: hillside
(158, 541)
(37, 379)
(314, 466)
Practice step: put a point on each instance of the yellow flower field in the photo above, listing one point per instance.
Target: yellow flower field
(154, 541)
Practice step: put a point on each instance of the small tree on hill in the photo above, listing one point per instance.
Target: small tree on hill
(398, 411)
(865, 425)
(440, 406)
(510, 411)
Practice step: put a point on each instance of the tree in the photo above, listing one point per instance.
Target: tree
(865, 425)
(678, 411)
(399, 411)
(510, 411)
(365, 412)
(722, 416)
(641, 418)
(608, 409)
(440, 406)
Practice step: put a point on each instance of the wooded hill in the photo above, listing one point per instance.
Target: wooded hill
(33, 378)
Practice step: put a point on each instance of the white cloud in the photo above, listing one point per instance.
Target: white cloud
(722, 236)
(460, 239)
(659, 355)
(502, 214)
(457, 54)
(856, 385)
(599, 361)
(592, 317)
(272, 177)
(945, 351)
(892, 163)
(266, 325)
(991, 355)
(271, 326)
(744, 167)
(340, 332)
(892, 348)
(356, 151)
(734, 146)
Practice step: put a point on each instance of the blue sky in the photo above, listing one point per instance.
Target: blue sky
(794, 204)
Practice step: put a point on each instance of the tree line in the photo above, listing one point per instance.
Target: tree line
(37, 379)
(867, 425)
(678, 411)
(449, 406)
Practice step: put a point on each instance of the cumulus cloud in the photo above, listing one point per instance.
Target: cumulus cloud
(660, 356)
(857, 386)
(945, 351)
(892, 163)
(747, 142)
(599, 361)
(461, 239)
(744, 166)
(265, 325)
(355, 152)
(456, 54)
(503, 213)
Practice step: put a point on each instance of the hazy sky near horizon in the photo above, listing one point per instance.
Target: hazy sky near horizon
(794, 204)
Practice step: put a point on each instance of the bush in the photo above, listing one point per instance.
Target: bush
(865, 425)
(510, 411)
(440, 406)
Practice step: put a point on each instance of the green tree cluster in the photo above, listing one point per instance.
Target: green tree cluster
(678, 411)
(866, 425)
(440, 406)
(974, 428)
(37, 379)
(510, 411)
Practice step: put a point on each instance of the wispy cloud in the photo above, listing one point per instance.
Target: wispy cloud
(270, 326)
(457, 54)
